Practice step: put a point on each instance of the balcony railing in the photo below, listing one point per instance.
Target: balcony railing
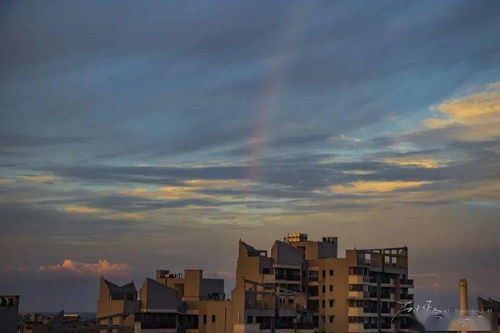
(406, 296)
(407, 282)
(287, 277)
(370, 326)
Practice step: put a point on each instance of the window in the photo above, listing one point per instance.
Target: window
(313, 275)
(204, 319)
(323, 303)
(213, 318)
(249, 319)
(331, 319)
(266, 271)
(323, 273)
(331, 287)
(331, 272)
(331, 303)
(323, 289)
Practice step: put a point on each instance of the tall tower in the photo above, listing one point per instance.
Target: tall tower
(463, 294)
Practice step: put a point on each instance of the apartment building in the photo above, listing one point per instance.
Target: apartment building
(363, 292)
(269, 294)
(172, 303)
(298, 286)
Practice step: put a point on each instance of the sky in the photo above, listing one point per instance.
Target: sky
(136, 136)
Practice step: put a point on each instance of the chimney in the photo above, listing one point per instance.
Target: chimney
(463, 294)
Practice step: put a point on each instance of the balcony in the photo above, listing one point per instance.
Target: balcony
(358, 279)
(355, 312)
(406, 297)
(356, 294)
(361, 327)
(355, 327)
(406, 282)
(387, 282)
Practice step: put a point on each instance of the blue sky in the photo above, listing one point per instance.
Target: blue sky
(130, 131)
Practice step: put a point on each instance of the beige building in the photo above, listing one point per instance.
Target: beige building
(172, 303)
(299, 286)
(362, 292)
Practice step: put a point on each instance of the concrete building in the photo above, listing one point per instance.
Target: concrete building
(171, 303)
(299, 286)
(114, 299)
(363, 292)
(9, 307)
(59, 323)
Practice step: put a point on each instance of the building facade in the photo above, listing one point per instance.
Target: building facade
(366, 291)
(172, 303)
(298, 286)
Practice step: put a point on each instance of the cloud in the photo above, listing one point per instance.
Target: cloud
(412, 161)
(101, 267)
(473, 117)
(102, 213)
(40, 178)
(190, 189)
(377, 186)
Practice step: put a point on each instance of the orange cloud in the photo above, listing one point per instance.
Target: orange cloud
(413, 161)
(102, 267)
(83, 209)
(39, 178)
(102, 213)
(376, 186)
(190, 190)
(475, 116)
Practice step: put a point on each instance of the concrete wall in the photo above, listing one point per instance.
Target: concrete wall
(284, 254)
(218, 316)
(107, 306)
(158, 297)
(211, 286)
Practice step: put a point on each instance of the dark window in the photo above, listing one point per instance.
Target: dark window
(266, 271)
(213, 318)
(323, 273)
(331, 303)
(313, 290)
(204, 319)
(331, 319)
(323, 303)
(331, 287)
(188, 321)
(249, 319)
(331, 272)
(323, 289)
